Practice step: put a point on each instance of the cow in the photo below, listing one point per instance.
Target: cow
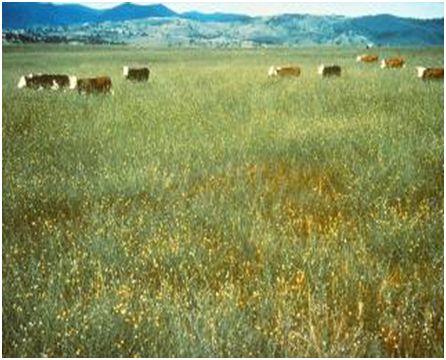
(393, 63)
(96, 85)
(284, 71)
(430, 73)
(136, 74)
(367, 58)
(329, 70)
(47, 81)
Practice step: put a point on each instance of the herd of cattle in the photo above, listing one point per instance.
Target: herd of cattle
(335, 70)
(104, 84)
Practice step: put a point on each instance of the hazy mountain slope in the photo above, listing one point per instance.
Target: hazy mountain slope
(391, 30)
(158, 25)
(215, 17)
(28, 14)
(128, 11)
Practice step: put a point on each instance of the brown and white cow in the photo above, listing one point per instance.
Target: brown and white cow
(136, 74)
(329, 70)
(47, 81)
(430, 73)
(393, 63)
(95, 85)
(284, 71)
(367, 58)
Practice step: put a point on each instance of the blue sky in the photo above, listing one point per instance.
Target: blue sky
(407, 9)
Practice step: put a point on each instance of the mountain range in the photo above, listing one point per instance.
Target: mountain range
(32, 14)
(158, 25)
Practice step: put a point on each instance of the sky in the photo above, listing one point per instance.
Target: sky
(405, 9)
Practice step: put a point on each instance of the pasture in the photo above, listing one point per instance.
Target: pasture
(216, 212)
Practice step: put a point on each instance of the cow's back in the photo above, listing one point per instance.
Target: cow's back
(139, 74)
(367, 58)
(433, 73)
(289, 71)
(102, 84)
(330, 70)
(393, 63)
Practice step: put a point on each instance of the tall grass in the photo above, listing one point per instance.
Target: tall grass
(216, 212)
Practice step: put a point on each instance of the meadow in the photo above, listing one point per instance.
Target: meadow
(216, 212)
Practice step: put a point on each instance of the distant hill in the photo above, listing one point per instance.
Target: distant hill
(158, 25)
(28, 15)
(215, 17)
(128, 11)
(391, 30)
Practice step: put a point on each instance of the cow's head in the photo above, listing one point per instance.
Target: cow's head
(320, 70)
(420, 71)
(359, 58)
(382, 64)
(55, 85)
(125, 71)
(272, 71)
(22, 82)
(72, 82)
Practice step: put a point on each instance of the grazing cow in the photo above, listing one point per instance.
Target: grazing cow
(329, 70)
(47, 81)
(95, 85)
(284, 71)
(393, 63)
(136, 74)
(430, 73)
(367, 58)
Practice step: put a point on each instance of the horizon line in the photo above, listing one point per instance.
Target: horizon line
(408, 10)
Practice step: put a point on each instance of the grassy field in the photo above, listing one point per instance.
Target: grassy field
(216, 212)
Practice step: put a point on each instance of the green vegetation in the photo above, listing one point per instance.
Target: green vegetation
(216, 212)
